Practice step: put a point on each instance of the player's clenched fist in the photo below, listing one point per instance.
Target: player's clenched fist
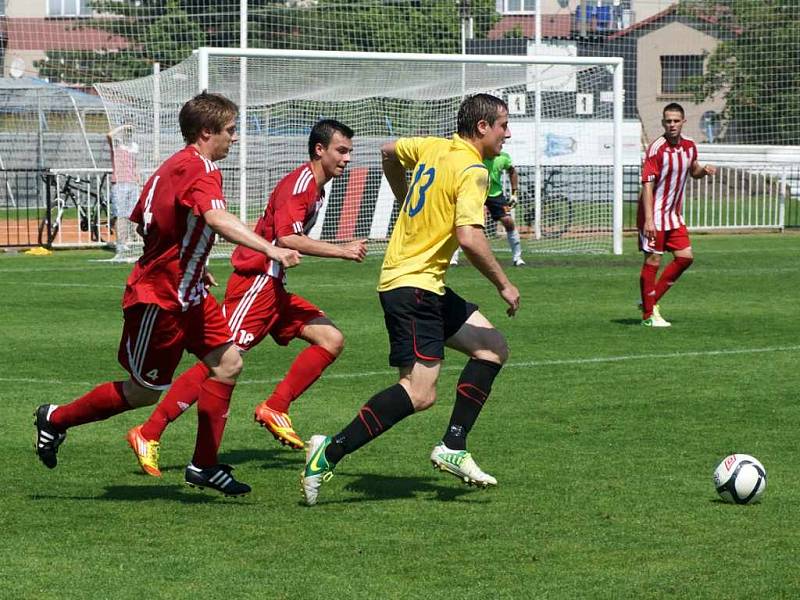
(355, 250)
(288, 258)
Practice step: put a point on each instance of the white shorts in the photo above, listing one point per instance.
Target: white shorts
(123, 198)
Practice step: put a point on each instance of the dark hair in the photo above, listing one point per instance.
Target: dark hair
(673, 107)
(479, 107)
(322, 133)
(205, 111)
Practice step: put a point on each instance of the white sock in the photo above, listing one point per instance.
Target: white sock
(513, 243)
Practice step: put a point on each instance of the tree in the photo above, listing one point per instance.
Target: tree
(168, 30)
(370, 25)
(164, 31)
(756, 70)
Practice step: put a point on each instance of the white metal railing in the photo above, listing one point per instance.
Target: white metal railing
(78, 208)
(751, 189)
(736, 198)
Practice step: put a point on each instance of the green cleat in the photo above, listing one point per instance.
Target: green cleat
(317, 469)
(460, 464)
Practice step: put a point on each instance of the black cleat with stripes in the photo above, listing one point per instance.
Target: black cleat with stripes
(48, 439)
(217, 478)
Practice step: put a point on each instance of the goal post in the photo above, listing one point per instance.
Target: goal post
(571, 189)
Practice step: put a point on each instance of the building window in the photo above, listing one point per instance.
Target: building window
(68, 8)
(675, 70)
(519, 6)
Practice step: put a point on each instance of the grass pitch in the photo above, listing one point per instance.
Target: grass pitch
(603, 436)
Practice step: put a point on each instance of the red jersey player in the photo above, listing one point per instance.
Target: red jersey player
(668, 162)
(166, 307)
(257, 303)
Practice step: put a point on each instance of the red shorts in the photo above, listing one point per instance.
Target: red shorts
(153, 339)
(257, 305)
(671, 240)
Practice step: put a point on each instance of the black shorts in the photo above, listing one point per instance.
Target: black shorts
(498, 207)
(419, 322)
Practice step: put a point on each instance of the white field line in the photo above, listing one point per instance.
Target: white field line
(120, 286)
(559, 362)
(569, 273)
(513, 365)
(126, 266)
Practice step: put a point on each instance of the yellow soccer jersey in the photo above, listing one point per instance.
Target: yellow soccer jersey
(448, 188)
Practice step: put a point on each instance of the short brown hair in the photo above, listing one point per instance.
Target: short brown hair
(205, 111)
(673, 107)
(322, 133)
(480, 107)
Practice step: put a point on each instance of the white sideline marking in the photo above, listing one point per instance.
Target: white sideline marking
(566, 361)
(512, 365)
(119, 287)
(370, 284)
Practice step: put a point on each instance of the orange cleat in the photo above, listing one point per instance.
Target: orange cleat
(279, 425)
(146, 451)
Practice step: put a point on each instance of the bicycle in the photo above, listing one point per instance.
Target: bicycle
(68, 198)
(557, 210)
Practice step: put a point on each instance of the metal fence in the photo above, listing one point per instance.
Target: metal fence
(22, 206)
(66, 208)
(736, 198)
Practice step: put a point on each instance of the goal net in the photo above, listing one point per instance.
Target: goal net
(565, 122)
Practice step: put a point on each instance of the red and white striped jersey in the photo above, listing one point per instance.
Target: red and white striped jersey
(292, 208)
(177, 239)
(668, 167)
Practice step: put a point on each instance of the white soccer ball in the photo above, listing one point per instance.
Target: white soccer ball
(740, 479)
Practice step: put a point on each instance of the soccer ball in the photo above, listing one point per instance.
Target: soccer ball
(740, 478)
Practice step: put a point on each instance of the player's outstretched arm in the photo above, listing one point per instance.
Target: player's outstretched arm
(699, 171)
(476, 247)
(394, 171)
(232, 229)
(355, 250)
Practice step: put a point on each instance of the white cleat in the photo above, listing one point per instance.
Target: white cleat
(317, 469)
(518, 262)
(460, 464)
(655, 320)
(657, 314)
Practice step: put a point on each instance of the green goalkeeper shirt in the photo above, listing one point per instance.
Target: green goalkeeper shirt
(498, 164)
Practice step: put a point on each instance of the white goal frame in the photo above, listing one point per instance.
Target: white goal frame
(614, 63)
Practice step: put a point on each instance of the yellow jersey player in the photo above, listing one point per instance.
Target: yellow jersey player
(441, 209)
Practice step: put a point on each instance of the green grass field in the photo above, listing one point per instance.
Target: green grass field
(602, 434)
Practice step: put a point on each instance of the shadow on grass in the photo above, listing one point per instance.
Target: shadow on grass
(374, 488)
(627, 322)
(266, 458)
(147, 493)
(269, 458)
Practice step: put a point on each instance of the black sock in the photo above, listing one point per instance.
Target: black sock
(472, 390)
(383, 410)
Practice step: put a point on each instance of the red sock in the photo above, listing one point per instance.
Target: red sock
(212, 414)
(305, 370)
(104, 401)
(183, 392)
(670, 275)
(647, 284)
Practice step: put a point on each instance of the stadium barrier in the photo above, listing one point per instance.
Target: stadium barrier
(77, 209)
(22, 206)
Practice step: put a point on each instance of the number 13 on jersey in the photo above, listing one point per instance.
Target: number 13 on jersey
(421, 181)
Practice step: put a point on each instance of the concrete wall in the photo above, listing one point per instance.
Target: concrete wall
(672, 40)
(26, 8)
